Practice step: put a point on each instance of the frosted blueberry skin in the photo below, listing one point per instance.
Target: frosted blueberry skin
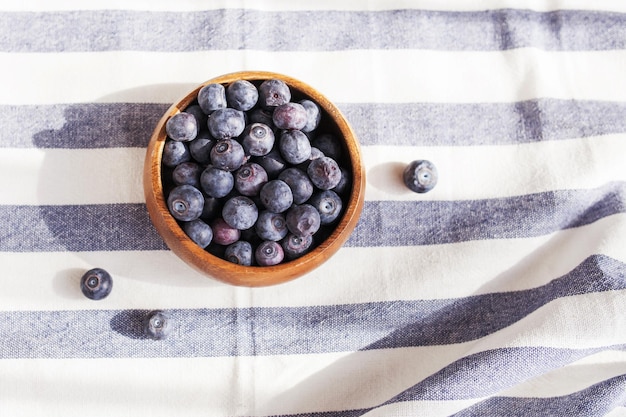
(216, 182)
(260, 115)
(226, 123)
(198, 113)
(303, 220)
(271, 226)
(240, 212)
(185, 202)
(200, 147)
(182, 127)
(273, 93)
(314, 115)
(420, 176)
(228, 154)
(324, 173)
(174, 153)
(257, 139)
(294, 146)
(239, 253)
(328, 204)
(250, 178)
(295, 246)
(96, 284)
(276, 196)
(198, 231)
(269, 253)
(157, 325)
(212, 97)
(242, 95)
(290, 116)
(223, 233)
(273, 163)
(187, 173)
(299, 182)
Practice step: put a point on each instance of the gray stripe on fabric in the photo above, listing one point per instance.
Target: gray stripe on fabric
(228, 29)
(297, 330)
(108, 125)
(111, 227)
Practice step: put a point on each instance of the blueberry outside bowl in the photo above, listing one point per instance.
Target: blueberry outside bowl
(254, 276)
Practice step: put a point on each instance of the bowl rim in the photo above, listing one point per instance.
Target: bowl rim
(220, 269)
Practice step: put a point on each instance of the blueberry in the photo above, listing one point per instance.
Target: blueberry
(273, 163)
(228, 154)
(271, 226)
(269, 253)
(216, 182)
(212, 97)
(294, 146)
(328, 204)
(420, 176)
(174, 153)
(273, 93)
(96, 284)
(276, 196)
(199, 232)
(260, 115)
(157, 325)
(295, 246)
(185, 202)
(239, 253)
(303, 220)
(240, 212)
(226, 123)
(299, 182)
(257, 139)
(200, 147)
(198, 113)
(212, 207)
(314, 115)
(242, 95)
(187, 173)
(324, 173)
(223, 234)
(250, 178)
(290, 116)
(329, 145)
(182, 127)
(344, 184)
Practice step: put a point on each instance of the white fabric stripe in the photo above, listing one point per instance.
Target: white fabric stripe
(287, 5)
(293, 383)
(459, 270)
(31, 176)
(356, 76)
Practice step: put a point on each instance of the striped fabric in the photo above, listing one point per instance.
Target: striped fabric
(502, 292)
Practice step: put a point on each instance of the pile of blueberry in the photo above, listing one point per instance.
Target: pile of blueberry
(252, 174)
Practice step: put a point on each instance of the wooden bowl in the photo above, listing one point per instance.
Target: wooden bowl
(211, 265)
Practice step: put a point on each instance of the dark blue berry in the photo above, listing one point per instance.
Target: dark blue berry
(294, 146)
(314, 115)
(96, 284)
(295, 246)
(182, 127)
(273, 93)
(328, 204)
(260, 115)
(324, 173)
(216, 182)
(239, 253)
(212, 207)
(329, 145)
(200, 147)
(187, 173)
(199, 232)
(269, 253)
(242, 95)
(344, 184)
(250, 178)
(271, 226)
(228, 154)
(240, 212)
(226, 123)
(276, 196)
(303, 220)
(299, 182)
(273, 163)
(174, 153)
(185, 202)
(290, 116)
(198, 113)
(157, 325)
(223, 233)
(257, 139)
(212, 97)
(420, 176)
